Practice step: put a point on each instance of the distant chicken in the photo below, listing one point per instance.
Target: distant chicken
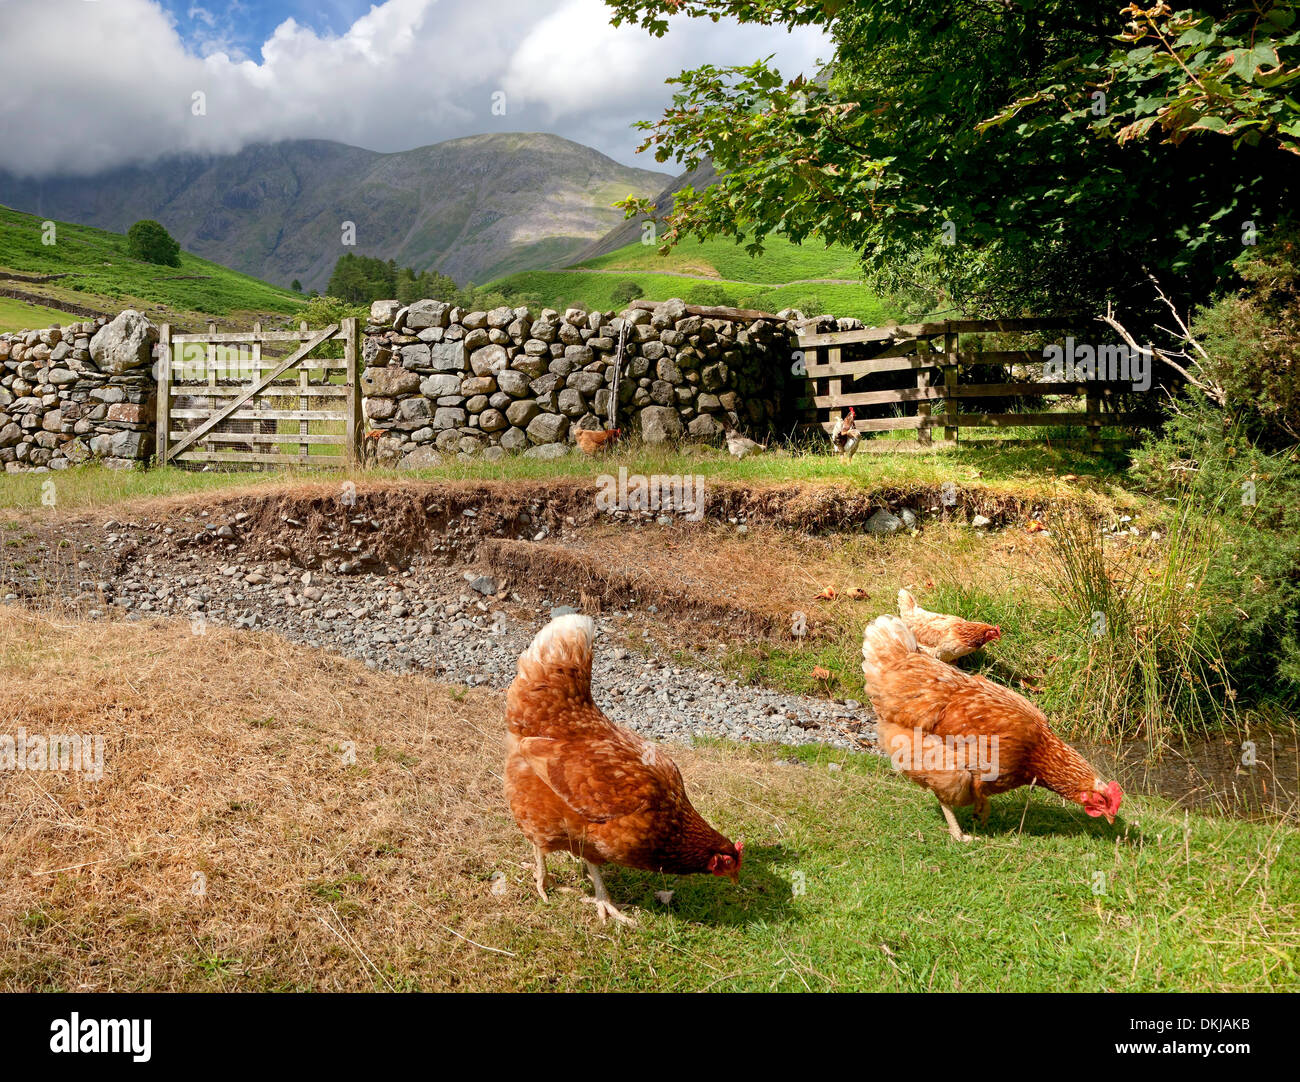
(594, 442)
(966, 738)
(944, 637)
(575, 781)
(845, 437)
(739, 446)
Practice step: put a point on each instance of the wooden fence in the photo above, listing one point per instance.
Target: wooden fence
(238, 399)
(843, 368)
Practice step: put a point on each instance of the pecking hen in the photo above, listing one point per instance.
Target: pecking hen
(593, 442)
(739, 446)
(577, 782)
(945, 637)
(966, 738)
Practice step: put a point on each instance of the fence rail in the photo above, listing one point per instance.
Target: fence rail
(842, 369)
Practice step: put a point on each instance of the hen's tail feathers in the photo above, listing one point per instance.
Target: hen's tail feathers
(885, 642)
(556, 665)
(906, 603)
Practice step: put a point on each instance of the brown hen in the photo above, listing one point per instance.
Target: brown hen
(945, 637)
(966, 738)
(593, 442)
(577, 782)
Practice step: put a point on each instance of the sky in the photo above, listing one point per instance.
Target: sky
(95, 84)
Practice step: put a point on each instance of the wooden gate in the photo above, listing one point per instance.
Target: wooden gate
(935, 398)
(260, 398)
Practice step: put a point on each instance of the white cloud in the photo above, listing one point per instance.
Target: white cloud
(119, 88)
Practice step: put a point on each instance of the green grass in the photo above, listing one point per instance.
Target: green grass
(1023, 471)
(780, 262)
(16, 315)
(786, 274)
(101, 274)
(1045, 899)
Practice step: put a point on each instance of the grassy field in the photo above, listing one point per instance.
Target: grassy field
(785, 275)
(101, 275)
(16, 315)
(1026, 472)
(234, 843)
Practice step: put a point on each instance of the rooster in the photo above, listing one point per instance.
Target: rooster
(944, 637)
(845, 437)
(739, 446)
(966, 738)
(575, 781)
(593, 442)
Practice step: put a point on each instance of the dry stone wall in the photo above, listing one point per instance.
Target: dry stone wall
(442, 381)
(70, 394)
(437, 381)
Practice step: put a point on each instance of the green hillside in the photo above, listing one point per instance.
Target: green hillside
(712, 272)
(101, 276)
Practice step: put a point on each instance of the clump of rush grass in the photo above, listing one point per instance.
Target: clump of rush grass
(1139, 654)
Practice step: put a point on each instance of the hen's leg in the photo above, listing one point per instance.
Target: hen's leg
(953, 828)
(539, 871)
(601, 901)
(982, 811)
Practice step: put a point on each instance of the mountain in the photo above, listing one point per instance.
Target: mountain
(473, 208)
(629, 231)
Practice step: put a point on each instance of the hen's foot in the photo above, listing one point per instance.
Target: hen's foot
(541, 879)
(958, 835)
(605, 909)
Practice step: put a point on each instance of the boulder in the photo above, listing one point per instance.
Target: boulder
(422, 458)
(491, 420)
(447, 356)
(125, 343)
(389, 382)
(548, 428)
(427, 313)
(547, 451)
(520, 413)
(384, 312)
(514, 439)
(436, 386)
(660, 424)
(449, 417)
(489, 360)
(884, 522)
(513, 382)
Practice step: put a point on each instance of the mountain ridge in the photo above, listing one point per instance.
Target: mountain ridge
(277, 210)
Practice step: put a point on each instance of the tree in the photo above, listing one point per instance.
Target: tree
(962, 145)
(710, 295)
(810, 305)
(296, 286)
(149, 241)
(625, 292)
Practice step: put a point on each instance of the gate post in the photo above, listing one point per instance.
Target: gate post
(351, 328)
(163, 409)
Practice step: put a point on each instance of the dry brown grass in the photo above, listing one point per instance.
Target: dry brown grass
(758, 580)
(224, 755)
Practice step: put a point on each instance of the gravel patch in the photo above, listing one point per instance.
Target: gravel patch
(454, 623)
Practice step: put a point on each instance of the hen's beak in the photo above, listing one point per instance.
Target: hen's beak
(734, 876)
(1109, 818)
